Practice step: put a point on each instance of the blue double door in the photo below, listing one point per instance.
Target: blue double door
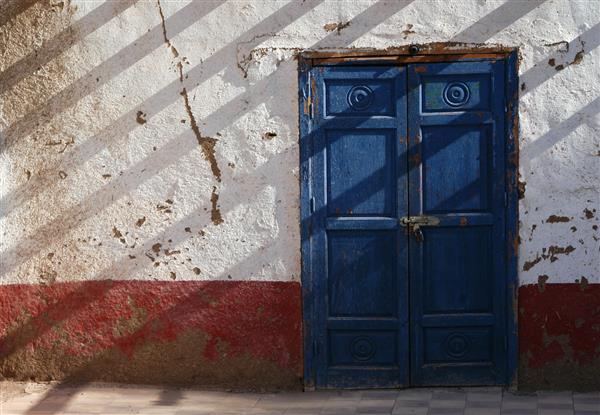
(406, 225)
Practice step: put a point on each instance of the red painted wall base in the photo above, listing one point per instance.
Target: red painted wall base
(221, 333)
(559, 336)
(244, 335)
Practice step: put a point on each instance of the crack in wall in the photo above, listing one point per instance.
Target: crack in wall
(243, 60)
(207, 144)
(215, 213)
(172, 48)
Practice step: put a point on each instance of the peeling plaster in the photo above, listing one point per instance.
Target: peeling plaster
(109, 110)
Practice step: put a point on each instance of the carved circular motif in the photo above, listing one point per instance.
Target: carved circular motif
(456, 94)
(360, 97)
(457, 345)
(362, 348)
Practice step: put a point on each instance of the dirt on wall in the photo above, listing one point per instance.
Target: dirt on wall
(241, 335)
(34, 71)
(176, 362)
(559, 336)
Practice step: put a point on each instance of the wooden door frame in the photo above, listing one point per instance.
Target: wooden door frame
(400, 56)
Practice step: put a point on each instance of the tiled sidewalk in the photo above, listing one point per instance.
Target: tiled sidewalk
(20, 398)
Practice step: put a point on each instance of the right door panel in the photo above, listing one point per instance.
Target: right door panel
(457, 268)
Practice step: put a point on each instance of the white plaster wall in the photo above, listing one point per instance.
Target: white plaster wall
(88, 192)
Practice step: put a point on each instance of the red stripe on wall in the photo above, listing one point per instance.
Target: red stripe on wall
(226, 333)
(559, 336)
(242, 334)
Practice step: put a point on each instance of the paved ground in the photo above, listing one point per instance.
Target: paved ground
(32, 398)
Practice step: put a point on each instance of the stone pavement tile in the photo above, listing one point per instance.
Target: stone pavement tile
(246, 400)
(198, 406)
(8, 408)
(262, 411)
(449, 395)
(484, 396)
(483, 405)
(81, 409)
(482, 411)
(18, 404)
(587, 401)
(300, 411)
(446, 411)
(555, 411)
(411, 404)
(483, 389)
(519, 411)
(11, 410)
(340, 404)
(345, 395)
(380, 394)
(285, 401)
(589, 407)
(45, 408)
(339, 411)
(511, 401)
(116, 408)
(117, 400)
(586, 395)
(447, 403)
(232, 402)
(204, 394)
(403, 410)
(555, 397)
(320, 396)
(375, 406)
(556, 406)
(414, 394)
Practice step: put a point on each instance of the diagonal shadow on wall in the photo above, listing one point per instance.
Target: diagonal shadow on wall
(572, 53)
(555, 133)
(102, 73)
(93, 202)
(168, 94)
(99, 200)
(496, 21)
(9, 9)
(119, 187)
(61, 42)
(233, 109)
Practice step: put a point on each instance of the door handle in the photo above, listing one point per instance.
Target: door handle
(414, 224)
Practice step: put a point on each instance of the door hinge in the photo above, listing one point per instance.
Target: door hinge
(312, 205)
(505, 198)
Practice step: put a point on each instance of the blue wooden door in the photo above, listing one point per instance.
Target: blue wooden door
(457, 268)
(359, 190)
(403, 224)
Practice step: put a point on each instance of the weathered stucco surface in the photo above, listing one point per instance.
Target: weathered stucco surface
(158, 140)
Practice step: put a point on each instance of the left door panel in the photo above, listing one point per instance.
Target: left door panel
(359, 316)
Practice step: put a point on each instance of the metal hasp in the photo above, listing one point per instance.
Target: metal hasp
(415, 222)
(419, 220)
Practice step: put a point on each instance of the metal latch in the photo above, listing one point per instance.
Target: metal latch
(414, 224)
